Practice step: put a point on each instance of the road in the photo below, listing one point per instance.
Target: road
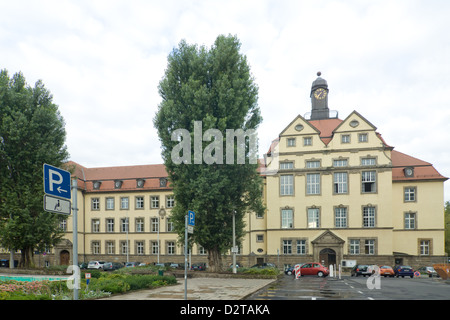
(354, 288)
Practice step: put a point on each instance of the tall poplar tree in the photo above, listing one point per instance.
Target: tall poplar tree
(213, 87)
(31, 133)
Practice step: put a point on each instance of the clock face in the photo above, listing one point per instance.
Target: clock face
(320, 93)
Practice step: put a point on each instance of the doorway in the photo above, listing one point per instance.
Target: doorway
(327, 256)
(64, 258)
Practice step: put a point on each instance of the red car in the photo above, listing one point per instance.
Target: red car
(314, 268)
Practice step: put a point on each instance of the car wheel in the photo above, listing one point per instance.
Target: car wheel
(289, 273)
(320, 274)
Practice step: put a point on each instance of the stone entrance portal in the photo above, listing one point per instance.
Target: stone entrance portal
(328, 248)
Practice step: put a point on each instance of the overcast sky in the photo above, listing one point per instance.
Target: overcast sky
(103, 60)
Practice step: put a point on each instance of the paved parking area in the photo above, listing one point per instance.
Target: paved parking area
(200, 289)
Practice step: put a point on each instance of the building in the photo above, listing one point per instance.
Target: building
(334, 190)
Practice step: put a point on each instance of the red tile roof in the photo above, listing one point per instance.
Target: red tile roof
(326, 128)
(422, 170)
(127, 174)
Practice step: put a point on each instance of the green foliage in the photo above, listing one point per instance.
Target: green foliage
(31, 133)
(215, 87)
(261, 271)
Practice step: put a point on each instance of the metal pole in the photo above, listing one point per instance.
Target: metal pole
(234, 242)
(185, 255)
(75, 238)
(159, 220)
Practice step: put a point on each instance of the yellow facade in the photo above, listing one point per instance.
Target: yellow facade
(334, 191)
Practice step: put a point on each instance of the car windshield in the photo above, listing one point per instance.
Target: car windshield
(405, 267)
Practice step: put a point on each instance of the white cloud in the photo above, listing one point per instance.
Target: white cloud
(102, 60)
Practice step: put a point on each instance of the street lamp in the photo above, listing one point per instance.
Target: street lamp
(161, 214)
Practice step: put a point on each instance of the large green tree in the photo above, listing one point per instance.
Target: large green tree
(31, 133)
(210, 89)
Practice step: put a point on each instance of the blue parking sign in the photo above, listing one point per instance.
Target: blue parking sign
(56, 182)
(191, 218)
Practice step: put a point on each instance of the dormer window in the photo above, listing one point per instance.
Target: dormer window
(118, 184)
(140, 183)
(97, 185)
(162, 182)
(409, 172)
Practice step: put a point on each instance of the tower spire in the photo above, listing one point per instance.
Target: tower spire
(319, 98)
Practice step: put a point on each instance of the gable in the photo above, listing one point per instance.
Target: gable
(354, 122)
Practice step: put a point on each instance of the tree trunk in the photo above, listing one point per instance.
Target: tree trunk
(26, 259)
(214, 260)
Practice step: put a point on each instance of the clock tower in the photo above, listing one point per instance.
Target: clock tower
(319, 99)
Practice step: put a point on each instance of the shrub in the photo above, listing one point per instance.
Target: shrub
(115, 285)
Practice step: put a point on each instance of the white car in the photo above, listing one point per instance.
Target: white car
(95, 264)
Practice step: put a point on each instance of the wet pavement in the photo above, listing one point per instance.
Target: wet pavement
(200, 289)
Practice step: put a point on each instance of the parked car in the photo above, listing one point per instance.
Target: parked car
(198, 266)
(289, 270)
(95, 264)
(429, 271)
(174, 266)
(131, 264)
(111, 266)
(360, 270)
(314, 269)
(387, 271)
(404, 271)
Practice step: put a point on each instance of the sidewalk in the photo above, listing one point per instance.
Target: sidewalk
(200, 289)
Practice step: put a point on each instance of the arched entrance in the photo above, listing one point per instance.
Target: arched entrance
(64, 258)
(327, 256)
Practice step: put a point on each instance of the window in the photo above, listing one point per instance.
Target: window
(287, 246)
(301, 247)
(340, 217)
(424, 247)
(369, 246)
(340, 163)
(169, 225)
(340, 182)
(95, 204)
(307, 141)
(313, 164)
(410, 220)
(345, 138)
(155, 247)
(368, 181)
(362, 137)
(124, 225)
(110, 247)
(139, 224)
(369, 217)
(259, 238)
(410, 194)
(154, 202)
(354, 246)
(154, 224)
(95, 225)
(287, 219)
(109, 203)
(95, 247)
(313, 218)
(287, 165)
(110, 225)
(63, 224)
(139, 202)
(313, 183)
(170, 201)
(368, 161)
(124, 203)
(291, 142)
(287, 185)
(171, 247)
(124, 247)
(139, 247)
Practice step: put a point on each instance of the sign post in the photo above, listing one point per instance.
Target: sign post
(189, 223)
